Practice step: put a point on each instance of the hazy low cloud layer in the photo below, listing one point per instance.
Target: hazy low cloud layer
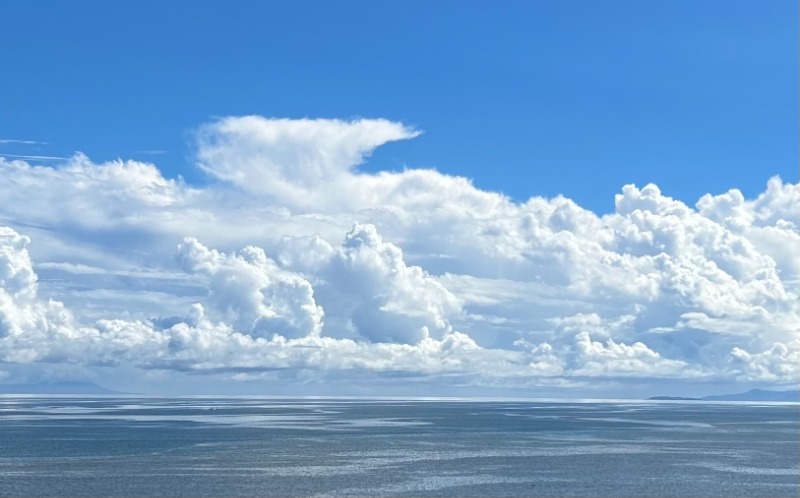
(292, 260)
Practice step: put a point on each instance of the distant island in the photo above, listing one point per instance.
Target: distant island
(751, 395)
(56, 388)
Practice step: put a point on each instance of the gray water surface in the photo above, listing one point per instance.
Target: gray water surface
(72, 446)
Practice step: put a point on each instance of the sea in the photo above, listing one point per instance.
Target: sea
(213, 446)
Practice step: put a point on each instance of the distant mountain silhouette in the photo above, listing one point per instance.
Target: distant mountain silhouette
(751, 395)
(757, 395)
(56, 388)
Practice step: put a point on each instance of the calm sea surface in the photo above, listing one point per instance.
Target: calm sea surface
(333, 447)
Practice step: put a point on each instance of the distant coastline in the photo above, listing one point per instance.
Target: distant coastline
(751, 395)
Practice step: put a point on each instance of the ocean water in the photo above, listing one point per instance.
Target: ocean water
(73, 446)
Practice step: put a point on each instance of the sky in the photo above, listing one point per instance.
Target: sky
(572, 198)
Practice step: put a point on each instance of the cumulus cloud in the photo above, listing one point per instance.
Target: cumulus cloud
(250, 292)
(596, 358)
(779, 363)
(17, 277)
(35, 330)
(387, 300)
(246, 285)
(291, 258)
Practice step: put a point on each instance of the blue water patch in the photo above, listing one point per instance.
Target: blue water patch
(57, 446)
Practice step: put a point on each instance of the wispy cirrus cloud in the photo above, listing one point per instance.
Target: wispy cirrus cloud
(8, 141)
(152, 152)
(34, 157)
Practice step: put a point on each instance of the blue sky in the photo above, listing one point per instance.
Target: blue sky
(527, 98)
(324, 238)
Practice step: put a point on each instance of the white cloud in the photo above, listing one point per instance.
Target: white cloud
(318, 266)
(779, 363)
(39, 331)
(17, 277)
(288, 160)
(387, 300)
(251, 287)
(250, 292)
(35, 157)
(7, 141)
(618, 359)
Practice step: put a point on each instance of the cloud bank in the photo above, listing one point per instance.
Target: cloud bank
(292, 260)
